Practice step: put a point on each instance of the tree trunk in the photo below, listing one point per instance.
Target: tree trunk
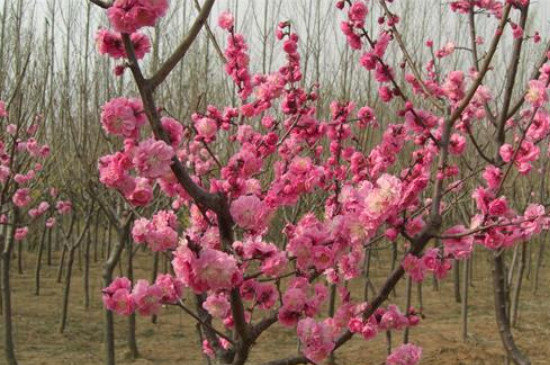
(39, 261)
(464, 306)
(539, 263)
(61, 264)
(9, 348)
(49, 260)
(407, 306)
(132, 342)
(86, 280)
(519, 282)
(499, 283)
(154, 277)
(331, 309)
(108, 269)
(66, 290)
(456, 280)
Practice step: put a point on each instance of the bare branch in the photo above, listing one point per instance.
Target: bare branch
(102, 3)
(182, 49)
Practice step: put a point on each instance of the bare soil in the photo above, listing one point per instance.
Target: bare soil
(173, 339)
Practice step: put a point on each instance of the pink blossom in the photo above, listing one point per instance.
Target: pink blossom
(369, 331)
(64, 206)
(110, 43)
(210, 270)
(317, 338)
(174, 130)
(50, 222)
(206, 128)
(459, 247)
(153, 158)
(22, 197)
(123, 117)
(127, 16)
(159, 233)
(217, 305)
(11, 129)
(457, 144)
(147, 298)
(118, 298)
(392, 318)
(226, 20)
(414, 267)
(142, 194)
(172, 288)
(535, 219)
(498, 206)
(21, 233)
(250, 213)
(536, 94)
(357, 12)
(380, 200)
(407, 354)
(3, 112)
(492, 176)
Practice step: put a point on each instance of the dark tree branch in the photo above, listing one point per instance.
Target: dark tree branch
(102, 3)
(182, 49)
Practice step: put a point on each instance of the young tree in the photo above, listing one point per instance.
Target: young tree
(231, 255)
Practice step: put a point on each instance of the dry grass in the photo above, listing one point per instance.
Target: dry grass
(173, 341)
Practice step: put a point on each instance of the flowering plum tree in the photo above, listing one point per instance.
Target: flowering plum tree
(243, 272)
(25, 197)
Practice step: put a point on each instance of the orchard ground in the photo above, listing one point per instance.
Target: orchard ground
(173, 340)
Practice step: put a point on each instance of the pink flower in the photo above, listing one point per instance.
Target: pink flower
(250, 213)
(460, 247)
(206, 128)
(160, 233)
(123, 117)
(506, 152)
(217, 270)
(110, 43)
(392, 318)
(174, 130)
(414, 267)
(210, 270)
(492, 176)
(357, 12)
(142, 194)
(11, 129)
(50, 222)
(22, 197)
(141, 43)
(535, 219)
(226, 20)
(381, 199)
(457, 144)
(3, 112)
(408, 354)
(153, 158)
(498, 206)
(117, 297)
(64, 206)
(317, 338)
(113, 172)
(147, 298)
(127, 16)
(369, 331)
(172, 288)
(536, 94)
(217, 305)
(21, 233)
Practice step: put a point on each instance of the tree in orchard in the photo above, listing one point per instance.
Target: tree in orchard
(26, 199)
(245, 274)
